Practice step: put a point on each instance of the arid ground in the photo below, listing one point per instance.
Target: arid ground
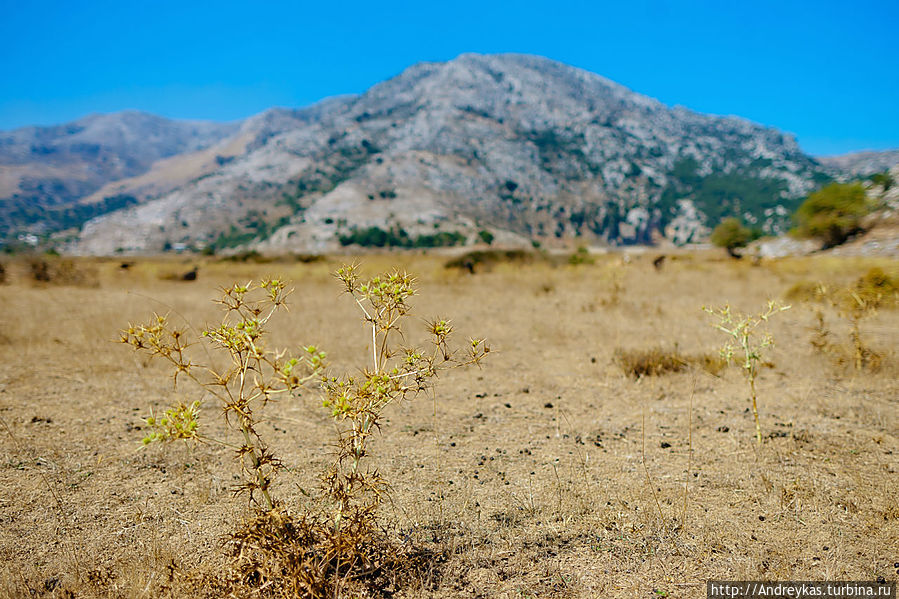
(549, 472)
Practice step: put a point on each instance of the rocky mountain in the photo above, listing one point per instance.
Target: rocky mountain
(44, 171)
(519, 146)
(862, 163)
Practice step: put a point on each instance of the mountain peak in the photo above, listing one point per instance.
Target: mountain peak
(523, 146)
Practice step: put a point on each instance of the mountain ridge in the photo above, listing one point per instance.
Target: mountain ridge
(523, 146)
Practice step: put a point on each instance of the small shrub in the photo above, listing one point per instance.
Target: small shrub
(478, 260)
(873, 291)
(870, 293)
(884, 180)
(308, 258)
(62, 271)
(833, 213)
(744, 345)
(486, 236)
(805, 291)
(255, 257)
(188, 276)
(581, 256)
(876, 285)
(730, 234)
(248, 256)
(613, 281)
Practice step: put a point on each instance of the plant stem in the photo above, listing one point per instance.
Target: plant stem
(689, 448)
(260, 479)
(755, 411)
(646, 469)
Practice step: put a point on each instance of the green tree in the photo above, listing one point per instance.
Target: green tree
(884, 179)
(486, 236)
(833, 213)
(730, 234)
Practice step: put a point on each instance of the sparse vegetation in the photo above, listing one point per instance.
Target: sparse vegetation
(719, 195)
(613, 285)
(546, 473)
(398, 237)
(581, 256)
(53, 270)
(485, 260)
(873, 291)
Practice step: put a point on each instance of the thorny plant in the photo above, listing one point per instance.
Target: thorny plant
(855, 304)
(397, 372)
(746, 345)
(336, 540)
(254, 376)
(820, 340)
(614, 280)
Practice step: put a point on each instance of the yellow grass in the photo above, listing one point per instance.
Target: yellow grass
(529, 479)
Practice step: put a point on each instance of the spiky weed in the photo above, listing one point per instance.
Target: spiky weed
(337, 543)
(746, 345)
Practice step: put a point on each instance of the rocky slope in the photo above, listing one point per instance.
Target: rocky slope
(521, 146)
(44, 171)
(862, 163)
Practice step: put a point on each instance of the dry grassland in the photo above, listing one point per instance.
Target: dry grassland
(525, 478)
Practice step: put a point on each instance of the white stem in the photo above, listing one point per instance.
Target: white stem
(374, 346)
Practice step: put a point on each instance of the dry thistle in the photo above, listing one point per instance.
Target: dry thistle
(613, 277)
(397, 372)
(855, 304)
(254, 377)
(744, 345)
(873, 291)
(337, 540)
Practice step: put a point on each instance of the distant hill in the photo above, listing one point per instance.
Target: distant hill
(44, 171)
(862, 163)
(521, 146)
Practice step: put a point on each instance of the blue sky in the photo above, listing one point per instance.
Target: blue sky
(825, 71)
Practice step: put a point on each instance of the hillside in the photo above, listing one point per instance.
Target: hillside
(862, 163)
(522, 146)
(44, 171)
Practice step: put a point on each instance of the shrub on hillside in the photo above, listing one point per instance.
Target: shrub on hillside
(833, 213)
(730, 234)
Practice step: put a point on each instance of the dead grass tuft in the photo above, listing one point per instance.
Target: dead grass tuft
(254, 257)
(487, 259)
(62, 271)
(877, 284)
(278, 555)
(659, 361)
(805, 291)
(190, 275)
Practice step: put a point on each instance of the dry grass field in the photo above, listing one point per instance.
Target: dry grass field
(548, 472)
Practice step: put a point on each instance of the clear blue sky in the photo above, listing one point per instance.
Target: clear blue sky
(826, 71)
